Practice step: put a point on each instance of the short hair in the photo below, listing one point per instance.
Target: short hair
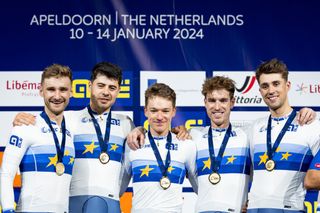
(160, 90)
(218, 83)
(272, 66)
(107, 69)
(57, 71)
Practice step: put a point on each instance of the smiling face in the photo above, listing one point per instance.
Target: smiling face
(218, 105)
(104, 92)
(159, 112)
(56, 92)
(274, 91)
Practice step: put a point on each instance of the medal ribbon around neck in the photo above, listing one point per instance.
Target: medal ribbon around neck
(272, 150)
(103, 142)
(216, 161)
(163, 167)
(60, 149)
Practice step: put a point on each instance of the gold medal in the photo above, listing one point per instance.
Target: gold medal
(104, 158)
(270, 165)
(165, 182)
(60, 169)
(214, 178)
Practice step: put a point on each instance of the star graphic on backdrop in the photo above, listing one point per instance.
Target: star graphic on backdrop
(207, 164)
(231, 159)
(114, 147)
(90, 148)
(285, 156)
(53, 160)
(66, 153)
(263, 158)
(146, 170)
(170, 169)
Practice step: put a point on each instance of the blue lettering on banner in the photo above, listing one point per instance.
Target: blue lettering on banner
(15, 141)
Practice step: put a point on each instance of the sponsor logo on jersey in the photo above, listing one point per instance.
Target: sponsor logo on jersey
(15, 141)
(56, 129)
(291, 128)
(113, 121)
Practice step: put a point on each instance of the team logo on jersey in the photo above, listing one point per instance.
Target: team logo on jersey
(317, 165)
(48, 130)
(291, 128)
(15, 141)
(113, 121)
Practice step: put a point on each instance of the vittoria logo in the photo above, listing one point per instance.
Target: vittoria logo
(243, 97)
(247, 85)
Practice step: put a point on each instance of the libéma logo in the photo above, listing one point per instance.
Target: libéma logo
(308, 89)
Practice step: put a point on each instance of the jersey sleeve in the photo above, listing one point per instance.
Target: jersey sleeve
(125, 174)
(314, 137)
(129, 125)
(315, 163)
(191, 165)
(15, 149)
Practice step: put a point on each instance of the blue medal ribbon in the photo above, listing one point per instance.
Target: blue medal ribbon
(216, 161)
(59, 149)
(103, 142)
(272, 150)
(163, 167)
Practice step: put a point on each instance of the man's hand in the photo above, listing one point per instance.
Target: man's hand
(135, 138)
(306, 116)
(24, 118)
(181, 132)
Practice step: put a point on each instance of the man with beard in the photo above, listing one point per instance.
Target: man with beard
(45, 151)
(281, 150)
(99, 138)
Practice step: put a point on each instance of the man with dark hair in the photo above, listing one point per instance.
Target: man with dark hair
(99, 137)
(159, 167)
(45, 151)
(281, 150)
(223, 163)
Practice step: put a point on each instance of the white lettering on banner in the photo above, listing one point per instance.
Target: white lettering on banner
(134, 33)
(196, 20)
(66, 20)
(187, 85)
(119, 26)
